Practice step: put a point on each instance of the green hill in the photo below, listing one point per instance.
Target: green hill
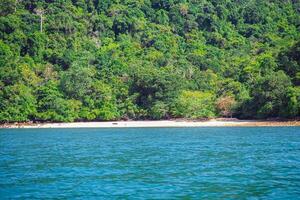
(68, 60)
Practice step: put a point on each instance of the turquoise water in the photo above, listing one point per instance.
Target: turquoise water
(150, 163)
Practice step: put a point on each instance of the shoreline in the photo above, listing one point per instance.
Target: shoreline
(157, 124)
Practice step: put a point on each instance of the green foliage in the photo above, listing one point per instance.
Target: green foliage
(159, 110)
(155, 84)
(270, 95)
(110, 60)
(7, 7)
(293, 108)
(77, 81)
(290, 62)
(5, 53)
(101, 103)
(53, 107)
(17, 103)
(194, 104)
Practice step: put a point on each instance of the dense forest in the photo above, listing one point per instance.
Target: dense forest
(85, 60)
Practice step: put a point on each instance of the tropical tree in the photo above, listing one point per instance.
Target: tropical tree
(194, 104)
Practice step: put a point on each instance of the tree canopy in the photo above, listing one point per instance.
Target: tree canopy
(77, 60)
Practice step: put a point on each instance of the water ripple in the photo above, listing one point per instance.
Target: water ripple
(156, 163)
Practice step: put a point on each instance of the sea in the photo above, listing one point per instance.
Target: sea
(150, 163)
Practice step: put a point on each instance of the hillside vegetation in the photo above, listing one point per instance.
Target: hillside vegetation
(71, 60)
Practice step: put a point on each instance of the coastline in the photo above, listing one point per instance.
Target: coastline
(156, 124)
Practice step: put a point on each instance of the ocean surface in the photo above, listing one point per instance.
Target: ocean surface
(150, 163)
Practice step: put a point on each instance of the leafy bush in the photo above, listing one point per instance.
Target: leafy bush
(194, 104)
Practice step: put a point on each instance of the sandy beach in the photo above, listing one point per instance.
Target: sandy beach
(162, 123)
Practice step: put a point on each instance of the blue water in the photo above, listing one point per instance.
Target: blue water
(150, 163)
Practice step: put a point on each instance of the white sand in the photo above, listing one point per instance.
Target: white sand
(163, 123)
